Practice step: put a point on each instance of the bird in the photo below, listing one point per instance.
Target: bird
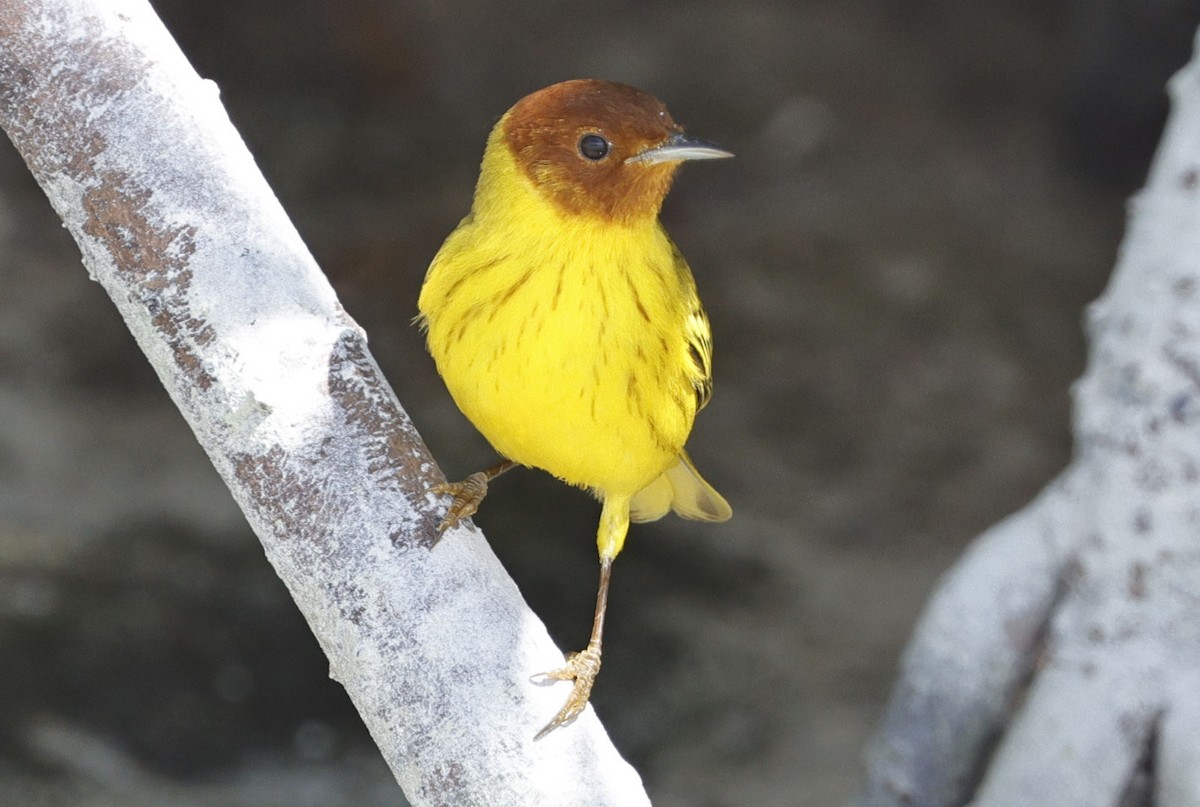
(566, 324)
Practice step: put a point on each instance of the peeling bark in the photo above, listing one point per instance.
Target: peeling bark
(433, 643)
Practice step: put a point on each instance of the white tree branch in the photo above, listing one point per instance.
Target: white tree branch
(1059, 664)
(434, 644)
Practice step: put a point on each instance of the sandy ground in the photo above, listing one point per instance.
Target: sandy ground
(895, 266)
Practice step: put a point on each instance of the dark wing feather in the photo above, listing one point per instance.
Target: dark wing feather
(699, 345)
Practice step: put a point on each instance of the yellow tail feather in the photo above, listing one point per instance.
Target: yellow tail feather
(682, 489)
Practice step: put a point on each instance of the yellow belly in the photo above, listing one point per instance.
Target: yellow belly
(566, 353)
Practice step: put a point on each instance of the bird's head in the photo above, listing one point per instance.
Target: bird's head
(598, 148)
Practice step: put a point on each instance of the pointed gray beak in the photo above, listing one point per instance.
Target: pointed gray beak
(679, 147)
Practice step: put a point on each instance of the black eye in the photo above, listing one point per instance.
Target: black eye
(593, 146)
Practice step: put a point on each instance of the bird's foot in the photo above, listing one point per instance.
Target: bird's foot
(468, 495)
(581, 668)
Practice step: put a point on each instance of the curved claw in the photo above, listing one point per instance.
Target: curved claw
(582, 668)
(468, 495)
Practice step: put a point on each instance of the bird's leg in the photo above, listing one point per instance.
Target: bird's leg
(468, 494)
(583, 667)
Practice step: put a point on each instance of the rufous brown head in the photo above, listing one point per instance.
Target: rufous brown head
(600, 148)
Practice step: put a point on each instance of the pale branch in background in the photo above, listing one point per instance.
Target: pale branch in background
(1059, 662)
(434, 645)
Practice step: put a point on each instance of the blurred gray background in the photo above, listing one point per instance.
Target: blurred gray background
(926, 196)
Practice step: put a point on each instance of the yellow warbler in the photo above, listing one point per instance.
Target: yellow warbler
(565, 322)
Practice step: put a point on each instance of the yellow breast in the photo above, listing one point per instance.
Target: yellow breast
(563, 338)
